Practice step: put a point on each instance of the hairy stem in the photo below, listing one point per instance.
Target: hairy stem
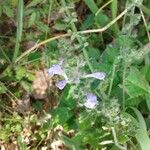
(68, 35)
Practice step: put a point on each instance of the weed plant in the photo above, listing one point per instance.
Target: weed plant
(74, 74)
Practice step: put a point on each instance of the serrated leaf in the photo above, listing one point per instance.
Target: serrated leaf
(109, 54)
(32, 19)
(135, 84)
(42, 27)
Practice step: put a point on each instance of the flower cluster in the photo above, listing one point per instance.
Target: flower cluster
(91, 99)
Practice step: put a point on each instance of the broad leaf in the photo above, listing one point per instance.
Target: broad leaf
(140, 118)
(143, 139)
(135, 84)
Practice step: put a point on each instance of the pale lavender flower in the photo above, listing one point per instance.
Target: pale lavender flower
(55, 69)
(61, 84)
(97, 75)
(91, 101)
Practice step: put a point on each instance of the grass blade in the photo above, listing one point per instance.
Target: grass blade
(5, 55)
(92, 5)
(143, 139)
(19, 28)
(140, 118)
(114, 8)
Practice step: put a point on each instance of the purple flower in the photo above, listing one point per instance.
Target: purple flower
(55, 69)
(61, 84)
(91, 101)
(97, 75)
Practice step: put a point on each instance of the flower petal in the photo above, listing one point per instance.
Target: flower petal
(55, 69)
(61, 84)
(97, 75)
(91, 101)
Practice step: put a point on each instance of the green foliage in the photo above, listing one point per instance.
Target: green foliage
(136, 84)
(37, 34)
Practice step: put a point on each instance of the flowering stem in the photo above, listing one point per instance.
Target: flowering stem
(74, 29)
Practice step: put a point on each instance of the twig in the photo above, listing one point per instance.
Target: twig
(145, 24)
(101, 8)
(68, 34)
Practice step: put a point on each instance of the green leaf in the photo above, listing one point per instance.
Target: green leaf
(143, 139)
(26, 85)
(67, 100)
(92, 5)
(133, 102)
(109, 54)
(32, 19)
(71, 144)
(42, 27)
(140, 118)
(38, 105)
(8, 11)
(89, 21)
(34, 56)
(2, 88)
(100, 19)
(135, 84)
(93, 53)
(60, 25)
(147, 97)
(20, 73)
(22, 145)
(62, 115)
(33, 3)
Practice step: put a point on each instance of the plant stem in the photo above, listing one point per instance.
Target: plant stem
(116, 140)
(123, 84)
(145, 24)
(68, 35)
(112, 79)
(101, 8)
(49, 15)
(74, 29)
